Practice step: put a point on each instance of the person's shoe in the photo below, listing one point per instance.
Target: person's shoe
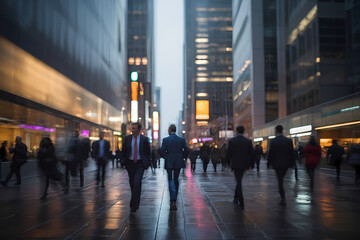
(173, 206)
(133, 209)
(241, 205)
(282, 203)
(3, 183)
(18, 183)
(235, 201)
(44, 196)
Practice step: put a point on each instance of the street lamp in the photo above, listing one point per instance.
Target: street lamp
(183, 123)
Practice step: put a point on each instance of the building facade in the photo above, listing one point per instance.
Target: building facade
(208, 68)
(63, 68)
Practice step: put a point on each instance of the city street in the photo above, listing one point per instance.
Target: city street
(205, 208)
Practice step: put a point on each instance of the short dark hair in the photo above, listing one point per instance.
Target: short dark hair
(172, 128)
(240, 129)
(334, 141)
(279, 128)
(138, 124)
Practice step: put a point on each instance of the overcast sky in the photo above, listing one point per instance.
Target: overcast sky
(169, 38)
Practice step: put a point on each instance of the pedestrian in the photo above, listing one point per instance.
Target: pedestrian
(3, 152)
(102, 154)
(174, 150)
(312, 155)
(48, 165)
(223, 150)
(334, 156)
(193, 155)
(19, 159)
(353, 158)
(136, 158)
(215, 156)
(154, 157)
(281, 157)
(205, 155)
(258, 152)
(77, 155)
(118, 157)
(240, 156)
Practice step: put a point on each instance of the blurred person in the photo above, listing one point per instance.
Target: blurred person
(353, 158)
(223, 150)
(19, 159)
(312, 155)
(259, 152)
(240, 156)
(154, 157)
(334, 157)
(193, 155)
(136, 155)
(102, 154)
(205, 151)
(215, 156)
(48, 164)
(174, 150)
(281, 157)
(3, 152)
(118, 157)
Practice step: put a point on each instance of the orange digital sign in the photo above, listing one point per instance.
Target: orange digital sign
(134, 91)
(202, 109)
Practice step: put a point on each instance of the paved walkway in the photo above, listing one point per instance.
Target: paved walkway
(205, 210)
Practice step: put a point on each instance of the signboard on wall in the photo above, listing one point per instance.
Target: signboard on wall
(202, 109)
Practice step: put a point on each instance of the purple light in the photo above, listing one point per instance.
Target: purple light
(37, 128)
(206, 139)
(85, 133)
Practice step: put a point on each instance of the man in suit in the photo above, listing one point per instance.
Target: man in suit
(136, 157)
(334, 156)
(19, 159)
(174, 150)
(240, 156)
(281, 156)
(101, 153)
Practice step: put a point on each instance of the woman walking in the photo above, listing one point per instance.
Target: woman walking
(353, 158)
(312, 155)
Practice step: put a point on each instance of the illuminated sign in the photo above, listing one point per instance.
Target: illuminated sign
(156, 135)
(156, 120)
(258, 139)
(301, 129)
(134, 76)
(202, 109)
(134, 111)
(134, 91)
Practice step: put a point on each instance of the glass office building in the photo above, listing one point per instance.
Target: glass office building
(62, 68)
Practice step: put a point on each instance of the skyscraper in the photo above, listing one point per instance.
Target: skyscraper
(208, 68)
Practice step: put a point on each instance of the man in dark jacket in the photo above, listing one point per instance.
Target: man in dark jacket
(19, 158)
(174, 150)
(240, 156)
(205, 152)
(101, 153)
(281, 156)
(334, 157)
(135, 156)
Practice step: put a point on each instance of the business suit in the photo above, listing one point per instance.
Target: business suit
(101, 153)
(240, 156)
(19, 159)
(174, 150)
(136, 170)
(281, 156)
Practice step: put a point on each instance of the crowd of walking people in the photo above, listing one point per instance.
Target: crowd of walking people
(137, 155)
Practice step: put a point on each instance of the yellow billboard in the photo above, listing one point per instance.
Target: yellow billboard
(202, 109)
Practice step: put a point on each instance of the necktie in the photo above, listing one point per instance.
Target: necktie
(135, 150)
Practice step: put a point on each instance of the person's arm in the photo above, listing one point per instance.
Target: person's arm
(163, 148)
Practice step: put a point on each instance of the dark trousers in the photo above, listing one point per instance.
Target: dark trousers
(71, 166)
(311, 172)
(101, 167)
(14, 168)
(193, 165)
(205, 164)
(135, 172)
(214, 165)
(173, 178)
(357, 172)
(239, 173)
(280, 173)
(337, 166)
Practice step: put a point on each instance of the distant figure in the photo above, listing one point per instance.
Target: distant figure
(118, 157)
(154, 158)
(312, 155)
(77, 153)
(19, 159)
(174, 150)
(259, 152)
(281, 157)
(194, 153)
(3, 152)
(223, 150)
(102, 154)
(334, 156)
(48, 164)
(215, 156)
(136, 158)
(353, 158)
(240, 156)
(205, 151)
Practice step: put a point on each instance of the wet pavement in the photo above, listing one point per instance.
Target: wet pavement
(205, 210)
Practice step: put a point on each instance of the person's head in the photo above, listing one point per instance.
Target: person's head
(279, 129)
(172, 129)
(313, 141)
(47, 142)
(240, 129)
(18, 139)
(334, 141)
(4, 143)
(101, 135)
(136, 128)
